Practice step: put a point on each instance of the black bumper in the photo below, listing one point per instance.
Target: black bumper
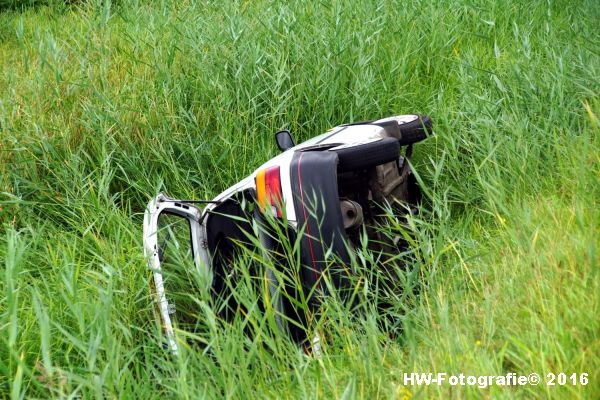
(313, 176)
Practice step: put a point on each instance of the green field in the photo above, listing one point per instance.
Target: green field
(102, 105)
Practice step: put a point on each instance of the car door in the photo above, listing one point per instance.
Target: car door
(174, 245)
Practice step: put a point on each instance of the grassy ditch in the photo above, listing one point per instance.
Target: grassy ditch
(102, 104)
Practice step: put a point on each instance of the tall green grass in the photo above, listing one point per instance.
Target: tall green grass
(102, 105)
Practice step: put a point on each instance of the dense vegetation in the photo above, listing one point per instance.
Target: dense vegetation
(102, 105)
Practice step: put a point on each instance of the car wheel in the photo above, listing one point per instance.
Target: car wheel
(408, 129)
(366, 155)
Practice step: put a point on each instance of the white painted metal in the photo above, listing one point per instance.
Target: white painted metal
(163, 204)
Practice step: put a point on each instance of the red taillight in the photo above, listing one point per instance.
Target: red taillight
(268, 190)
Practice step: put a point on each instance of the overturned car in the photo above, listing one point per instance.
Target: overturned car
(327, 193)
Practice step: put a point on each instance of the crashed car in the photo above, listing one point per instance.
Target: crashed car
(327, 193)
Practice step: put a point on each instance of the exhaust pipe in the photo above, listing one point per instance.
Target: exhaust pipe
(352, 214)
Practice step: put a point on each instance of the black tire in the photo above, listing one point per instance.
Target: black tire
(415, 131)
(368, 154)
(408, 133)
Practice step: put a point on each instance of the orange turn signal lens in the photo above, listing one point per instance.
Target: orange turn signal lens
(268, 190)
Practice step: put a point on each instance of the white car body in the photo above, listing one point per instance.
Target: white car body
(343, 136)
